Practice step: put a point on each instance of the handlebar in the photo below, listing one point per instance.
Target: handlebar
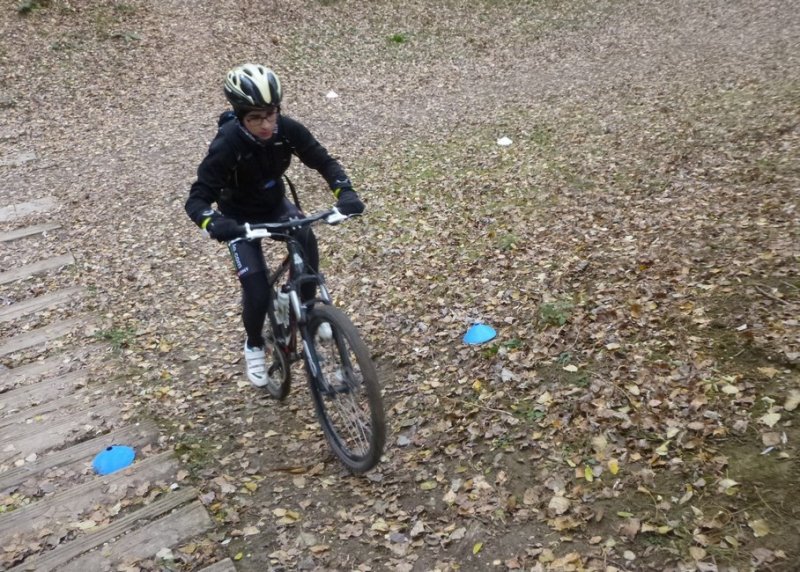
(277, 229)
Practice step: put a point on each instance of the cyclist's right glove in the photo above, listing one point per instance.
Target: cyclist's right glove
(221, 227)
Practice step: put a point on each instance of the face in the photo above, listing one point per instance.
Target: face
(262, 122)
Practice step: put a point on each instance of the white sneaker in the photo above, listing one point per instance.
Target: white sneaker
(324, 331)
(256, 362)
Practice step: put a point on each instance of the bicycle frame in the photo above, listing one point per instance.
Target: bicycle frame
(294, 265)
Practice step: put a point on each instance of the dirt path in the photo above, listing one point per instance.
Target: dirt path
(651, 190)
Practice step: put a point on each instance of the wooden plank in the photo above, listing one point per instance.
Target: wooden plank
(23, 440)
(11, 435)
(69, 504)
(20, 210)
(28, 231)
(33, 371)
(43, 335)
(31, 305)
(17, 159)
(172, 530)
(136, 436)
(36, 268)
(55, 560)
(221, 566)
(47, 390)
(68, 403)
(53, 365)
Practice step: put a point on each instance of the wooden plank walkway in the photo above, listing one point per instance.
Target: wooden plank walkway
(21, 210)
(33, 305)
(52, 365)
(28, 270)
(56, 415)
(28, 231)
(43, 335)
(36, 393)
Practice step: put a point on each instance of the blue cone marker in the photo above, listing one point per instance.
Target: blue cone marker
(479, 334)
(112, 459)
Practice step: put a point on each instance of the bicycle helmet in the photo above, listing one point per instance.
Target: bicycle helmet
(252, 86)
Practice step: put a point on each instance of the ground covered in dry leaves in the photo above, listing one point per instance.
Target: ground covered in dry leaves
(635, 246)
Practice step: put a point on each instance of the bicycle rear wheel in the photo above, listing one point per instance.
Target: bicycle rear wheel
(344, 386)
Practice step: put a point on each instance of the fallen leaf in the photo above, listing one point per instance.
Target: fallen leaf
(792, 400)
(697, 552)
(663, 449)
(417, 529)
(769, 372)
(771, 439)
(727, 486)
(760, 527)
(558, 505)
(630, 528)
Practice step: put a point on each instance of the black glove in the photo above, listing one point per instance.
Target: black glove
(349, 203)
(222, 228)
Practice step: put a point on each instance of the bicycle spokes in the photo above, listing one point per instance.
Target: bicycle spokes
(345, 389)
(340, 383)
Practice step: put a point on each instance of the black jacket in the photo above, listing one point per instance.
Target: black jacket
(243, 175)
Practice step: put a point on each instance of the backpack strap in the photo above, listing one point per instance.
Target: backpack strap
(294, 191)
(293, 151)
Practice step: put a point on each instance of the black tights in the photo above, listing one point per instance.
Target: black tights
(255, 297)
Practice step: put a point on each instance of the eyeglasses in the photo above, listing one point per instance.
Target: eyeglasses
(262, 116)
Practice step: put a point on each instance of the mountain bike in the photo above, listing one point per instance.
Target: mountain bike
(341, 375)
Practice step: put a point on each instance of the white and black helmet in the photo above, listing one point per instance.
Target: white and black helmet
(252, 86)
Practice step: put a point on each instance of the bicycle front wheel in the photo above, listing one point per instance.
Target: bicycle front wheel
(344, 386)
(279, 374)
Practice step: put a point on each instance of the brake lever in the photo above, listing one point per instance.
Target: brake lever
(336, 217)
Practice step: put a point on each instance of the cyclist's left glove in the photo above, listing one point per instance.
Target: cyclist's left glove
(348, 202)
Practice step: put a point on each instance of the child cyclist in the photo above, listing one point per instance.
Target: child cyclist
(242, 174)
